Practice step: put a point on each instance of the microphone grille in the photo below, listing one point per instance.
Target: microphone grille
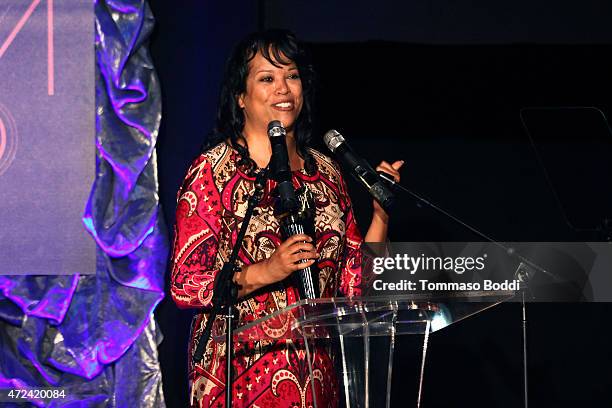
(333, 139)
(276, 128)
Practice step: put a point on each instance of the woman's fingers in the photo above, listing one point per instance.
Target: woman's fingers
(391, 169)
(397, 164)
(301, 246)
(295, 239)
(296, 252)
(302, 263)
(299, 237)
(303, 255)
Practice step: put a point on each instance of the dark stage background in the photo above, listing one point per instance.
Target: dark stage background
(441, 87)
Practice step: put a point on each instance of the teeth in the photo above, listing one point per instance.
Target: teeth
(283, 104)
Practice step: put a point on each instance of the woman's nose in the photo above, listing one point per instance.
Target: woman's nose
(282, 87)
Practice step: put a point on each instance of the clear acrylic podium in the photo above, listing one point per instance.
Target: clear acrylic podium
(355, 325)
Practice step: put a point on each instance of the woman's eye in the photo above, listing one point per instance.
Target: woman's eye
(266, 79)
(294, 76)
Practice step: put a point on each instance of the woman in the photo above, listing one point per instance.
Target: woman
(267, 78)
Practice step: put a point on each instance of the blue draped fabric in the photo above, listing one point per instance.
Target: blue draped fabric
(95, 335)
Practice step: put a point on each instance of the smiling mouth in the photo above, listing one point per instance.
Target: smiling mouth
(283, 105)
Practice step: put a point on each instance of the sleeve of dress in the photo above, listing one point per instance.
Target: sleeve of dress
(350, 272)
(196, 238)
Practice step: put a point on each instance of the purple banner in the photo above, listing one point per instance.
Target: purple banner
(46, 136)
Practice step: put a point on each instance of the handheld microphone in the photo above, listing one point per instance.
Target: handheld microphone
(279, 166)
(292, 214)
(360, 169)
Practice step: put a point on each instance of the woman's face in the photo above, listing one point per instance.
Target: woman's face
(272, 93)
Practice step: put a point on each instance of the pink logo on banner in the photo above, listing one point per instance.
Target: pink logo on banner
(50, 42)
(8, 139)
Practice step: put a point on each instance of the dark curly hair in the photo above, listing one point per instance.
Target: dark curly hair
(278, 47)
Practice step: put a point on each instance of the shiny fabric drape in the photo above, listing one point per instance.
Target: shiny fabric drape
(95, 335)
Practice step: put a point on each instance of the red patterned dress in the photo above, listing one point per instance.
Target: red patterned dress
(211, 206)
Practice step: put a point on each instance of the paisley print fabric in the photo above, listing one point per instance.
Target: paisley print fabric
(211, 206)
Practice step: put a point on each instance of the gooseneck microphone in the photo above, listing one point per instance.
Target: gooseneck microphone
(294, 211)
(360, 169)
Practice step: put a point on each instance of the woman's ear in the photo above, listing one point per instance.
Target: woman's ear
(240, 99)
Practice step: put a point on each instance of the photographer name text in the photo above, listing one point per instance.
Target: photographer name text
(425, 285)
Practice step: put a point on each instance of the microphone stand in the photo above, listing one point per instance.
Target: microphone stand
(525, 263)
(523, 273)
(226, 293)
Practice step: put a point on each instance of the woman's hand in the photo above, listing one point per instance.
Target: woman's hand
(284, 261)
(377, 232)
(286, 258)
(392, 170)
